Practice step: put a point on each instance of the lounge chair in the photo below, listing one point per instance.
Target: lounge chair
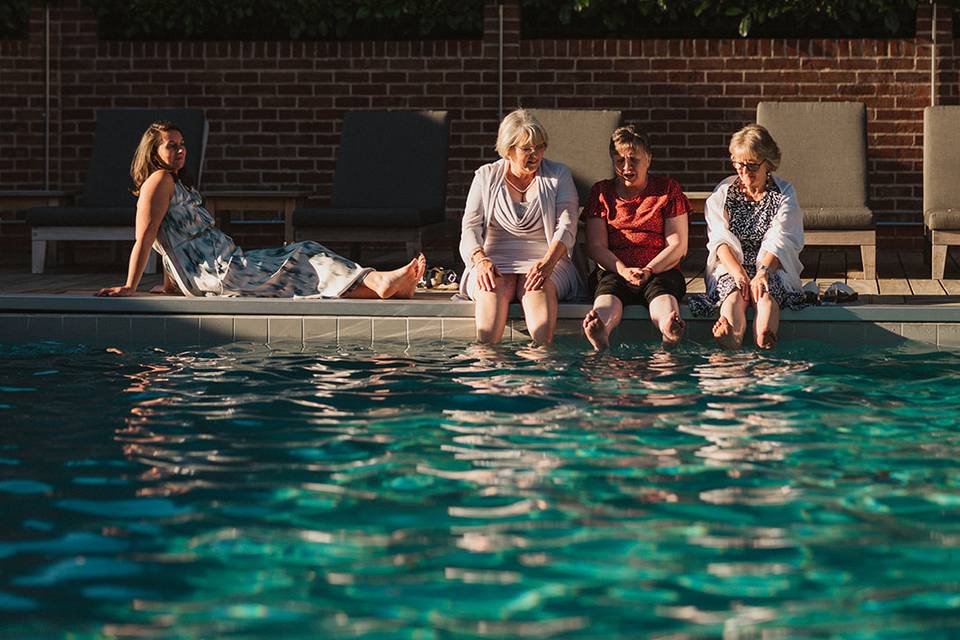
(106, 209)
(941, 188)
(824, 151)
(389, 185)
(580, 139)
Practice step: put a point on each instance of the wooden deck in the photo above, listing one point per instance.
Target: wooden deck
(903, 277)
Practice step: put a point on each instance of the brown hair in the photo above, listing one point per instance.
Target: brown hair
(630, 136)
(145, 158)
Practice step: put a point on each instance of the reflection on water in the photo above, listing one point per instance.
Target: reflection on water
(479, 492)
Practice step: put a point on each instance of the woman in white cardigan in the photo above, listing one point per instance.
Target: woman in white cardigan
(518, 234)
(755, 234)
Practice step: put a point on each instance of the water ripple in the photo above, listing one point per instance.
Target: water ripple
(481, 492)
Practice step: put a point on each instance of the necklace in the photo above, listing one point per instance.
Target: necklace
(523, 190)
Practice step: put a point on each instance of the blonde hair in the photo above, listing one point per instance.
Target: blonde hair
(517, 129)
(755, 140)
(630, 136)
(146, 160)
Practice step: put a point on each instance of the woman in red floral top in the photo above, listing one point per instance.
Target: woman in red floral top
(637, 235)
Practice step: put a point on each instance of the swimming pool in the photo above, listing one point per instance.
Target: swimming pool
(445, 492)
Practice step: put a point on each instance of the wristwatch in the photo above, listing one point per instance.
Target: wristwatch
(763, 267)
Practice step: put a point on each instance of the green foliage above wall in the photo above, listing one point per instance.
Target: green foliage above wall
(287, 19)
(13, 18)
(720, 18)
(415, 19)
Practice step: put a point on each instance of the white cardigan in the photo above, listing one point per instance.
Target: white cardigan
(559, 203)
(784, 238)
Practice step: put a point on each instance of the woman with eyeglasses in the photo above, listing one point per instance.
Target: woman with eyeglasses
(201, 260)
(755, 234)
(518, 233)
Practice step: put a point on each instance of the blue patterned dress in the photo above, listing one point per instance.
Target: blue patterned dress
(749, 222)
(204, 261)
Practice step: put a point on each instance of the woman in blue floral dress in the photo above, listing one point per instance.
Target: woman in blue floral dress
(201, 260)
(754, 238)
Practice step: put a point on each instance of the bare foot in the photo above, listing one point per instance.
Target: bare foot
(724, 334)
(399, 283)
(674, 329)
(767, 340)
(595, 330)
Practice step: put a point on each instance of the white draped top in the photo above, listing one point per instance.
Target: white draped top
(508, 231)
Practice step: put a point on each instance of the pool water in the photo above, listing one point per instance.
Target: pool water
(467, 492)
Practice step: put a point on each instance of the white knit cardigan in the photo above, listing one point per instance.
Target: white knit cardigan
(784, 238)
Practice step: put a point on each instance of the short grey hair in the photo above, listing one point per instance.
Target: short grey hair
(519, 128)
(755, 140)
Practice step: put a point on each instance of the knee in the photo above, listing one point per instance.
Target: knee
(542, 334)
(489, 335)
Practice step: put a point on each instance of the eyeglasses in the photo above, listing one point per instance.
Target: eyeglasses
(173, 146)
(531, 150)
(751, 167)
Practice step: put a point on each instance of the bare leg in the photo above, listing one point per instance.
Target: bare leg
(665, 314)
(731, 326)
(767, 322)
(602, 320)
(399, 283)
(491, 307)
(539, 310)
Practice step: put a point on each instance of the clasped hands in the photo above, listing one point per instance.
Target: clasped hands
(536, 277)
(635, 276)
(754, 289)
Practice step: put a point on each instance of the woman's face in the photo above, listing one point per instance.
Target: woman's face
(631, 165)
(172, 150)
(751, 170)
(525, 158)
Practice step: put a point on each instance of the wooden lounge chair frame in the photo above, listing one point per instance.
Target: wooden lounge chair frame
(941, 189)
(406, 151)
(824, 150)
(106, 208)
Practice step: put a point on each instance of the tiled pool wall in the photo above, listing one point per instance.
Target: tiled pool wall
(211, 329)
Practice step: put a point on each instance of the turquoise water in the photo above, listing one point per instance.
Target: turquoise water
(460, 492)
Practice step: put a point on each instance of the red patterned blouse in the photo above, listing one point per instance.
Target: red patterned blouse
(635, 226)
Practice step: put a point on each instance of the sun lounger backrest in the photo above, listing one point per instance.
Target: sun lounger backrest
(823, 145)
(941, 158)
(580, 139)
(116, 136)
(392, 159)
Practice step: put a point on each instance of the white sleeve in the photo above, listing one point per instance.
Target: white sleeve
(472, 225)
(784, 238)
(568, 211)
(718, 225)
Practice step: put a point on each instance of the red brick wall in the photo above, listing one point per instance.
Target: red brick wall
(275, 108)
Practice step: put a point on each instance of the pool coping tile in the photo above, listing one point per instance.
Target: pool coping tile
(355, 330)
(284, 329)
(320, 329)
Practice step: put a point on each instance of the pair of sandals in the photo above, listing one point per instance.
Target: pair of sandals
(439, 279)
(836, 293)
